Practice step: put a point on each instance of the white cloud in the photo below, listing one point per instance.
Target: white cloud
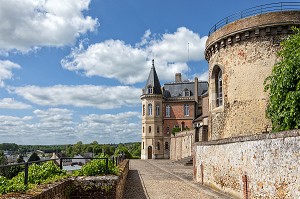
(6, 68)
(57, 126)
(10, 103)
(131, 64)
(181, 46)
(119, 127)
(203, 76)
(27, 24)
(101, 97)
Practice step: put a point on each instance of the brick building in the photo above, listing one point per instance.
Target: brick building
(175, 106)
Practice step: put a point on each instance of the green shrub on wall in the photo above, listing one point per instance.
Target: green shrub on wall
(284, 86)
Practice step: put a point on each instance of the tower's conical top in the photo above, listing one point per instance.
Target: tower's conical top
(153, 84)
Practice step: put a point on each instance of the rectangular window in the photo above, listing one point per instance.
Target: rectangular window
(168, 110)
(157, 110)
(186, 110)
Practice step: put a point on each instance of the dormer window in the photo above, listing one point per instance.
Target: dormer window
(150, 90)
(187, 92)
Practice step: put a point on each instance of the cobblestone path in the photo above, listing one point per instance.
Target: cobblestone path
(164, 179)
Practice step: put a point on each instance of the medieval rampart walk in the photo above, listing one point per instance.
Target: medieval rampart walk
(164, 179)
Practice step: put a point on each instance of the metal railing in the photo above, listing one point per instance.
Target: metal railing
(261, 9)
(116, 160)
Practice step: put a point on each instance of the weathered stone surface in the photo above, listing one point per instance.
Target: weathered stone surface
(182, 145)
(271, 163)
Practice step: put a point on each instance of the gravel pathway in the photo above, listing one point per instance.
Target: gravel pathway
(164, 179)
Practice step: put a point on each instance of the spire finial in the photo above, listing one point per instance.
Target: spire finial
(152, 62)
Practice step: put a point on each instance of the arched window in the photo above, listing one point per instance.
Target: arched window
(150, 89)
(143, 145)
(143, 109)
(157, 129)
(219, 89)
(186, 110)
(158, 146)
(168, 110)
(149, 109)
(149, 129)
(166, 145)
(157, 110)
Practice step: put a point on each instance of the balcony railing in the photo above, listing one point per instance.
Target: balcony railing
(266, 8)
(116, 160)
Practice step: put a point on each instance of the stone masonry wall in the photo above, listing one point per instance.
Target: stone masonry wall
(182, 145)
(262, 166)
(245, 66)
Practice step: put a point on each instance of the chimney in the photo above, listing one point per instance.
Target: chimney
(196, 89)
(178, 77)
(196, 95)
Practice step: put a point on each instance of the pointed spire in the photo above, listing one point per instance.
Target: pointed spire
(153, 84)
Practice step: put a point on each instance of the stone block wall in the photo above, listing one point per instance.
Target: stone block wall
(182, 145)
(260, 166)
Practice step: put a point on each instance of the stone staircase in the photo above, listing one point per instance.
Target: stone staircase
(187, 161)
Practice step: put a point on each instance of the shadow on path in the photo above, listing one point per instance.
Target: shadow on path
(134, 186)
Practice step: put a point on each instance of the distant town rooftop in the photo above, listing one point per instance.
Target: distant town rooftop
(261, 9)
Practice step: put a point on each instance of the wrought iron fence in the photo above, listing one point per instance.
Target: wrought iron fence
(116, 160)
(261, 9)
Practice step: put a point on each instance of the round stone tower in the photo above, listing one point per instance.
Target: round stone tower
(241, 54)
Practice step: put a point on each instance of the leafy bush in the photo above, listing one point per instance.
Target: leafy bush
(49, 172)
(37, 174)
(284, 86)
(97, 167)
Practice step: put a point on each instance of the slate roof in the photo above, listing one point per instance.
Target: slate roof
(176, 89)
(153, 81)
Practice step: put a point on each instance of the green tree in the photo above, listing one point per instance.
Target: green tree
(78, 148)
(3, 161)
(284, 86)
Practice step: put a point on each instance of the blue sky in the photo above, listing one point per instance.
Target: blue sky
(73, 70)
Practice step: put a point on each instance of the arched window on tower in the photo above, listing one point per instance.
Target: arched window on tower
(149, 129)
(143, 109)
(166, 146)
(217, 86)
(149, 109)
(157, 110)
(219, 89)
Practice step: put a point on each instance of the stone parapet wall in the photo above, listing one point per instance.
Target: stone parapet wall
(263, 24)
(260, 166)
(97, 187)
(182, 145)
